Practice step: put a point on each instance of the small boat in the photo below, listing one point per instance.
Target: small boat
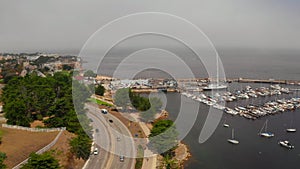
(291, 130)
(232, 140)
(286, 144)
(226, 125)
(266, 133)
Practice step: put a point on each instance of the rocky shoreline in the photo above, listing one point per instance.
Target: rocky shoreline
(182, 154)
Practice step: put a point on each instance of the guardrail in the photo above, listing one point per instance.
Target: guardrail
(46, 148)
(33, 129)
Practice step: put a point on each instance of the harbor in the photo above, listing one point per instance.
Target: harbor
(269, 98)
(147, 85)
(284, 100)
(252, 146)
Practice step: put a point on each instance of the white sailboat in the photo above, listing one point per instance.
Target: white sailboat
(265, 133)
(217, 85)
(225, 124)
(232, 140)
(291, 129)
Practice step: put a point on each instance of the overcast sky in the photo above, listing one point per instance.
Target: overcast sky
(65, 25)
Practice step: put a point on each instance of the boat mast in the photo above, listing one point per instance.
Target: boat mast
(266, 125)
(217, 70)
(262, 128)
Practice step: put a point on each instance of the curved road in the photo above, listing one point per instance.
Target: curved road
(113, 140)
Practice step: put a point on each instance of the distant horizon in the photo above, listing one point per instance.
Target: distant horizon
(75, 52)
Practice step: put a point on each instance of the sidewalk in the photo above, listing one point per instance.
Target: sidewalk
(149, 162)
(150, 159)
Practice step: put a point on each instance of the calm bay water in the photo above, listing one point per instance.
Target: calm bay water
(252, 152)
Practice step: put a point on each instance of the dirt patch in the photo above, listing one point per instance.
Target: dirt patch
(134, 127)
(182, 153)
(37, 123)
(18, 144)
(62, 153)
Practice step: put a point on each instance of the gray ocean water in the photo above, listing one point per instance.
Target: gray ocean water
(253, 151)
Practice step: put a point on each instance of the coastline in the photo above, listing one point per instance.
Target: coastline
(182, 154)
(182, 151)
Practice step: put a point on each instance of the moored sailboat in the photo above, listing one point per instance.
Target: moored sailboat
(232, 140)
(291, 129)
(266, 133)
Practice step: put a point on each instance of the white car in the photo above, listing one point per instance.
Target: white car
(122, 158)
(104, 111)
(96, 151)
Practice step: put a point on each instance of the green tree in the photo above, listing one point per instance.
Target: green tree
(89, 73)
(170, 163)
(67, 67)
(41, 161)
(32, 97)
(2, 158)
(163, 136)
(80, 146)
(99, 90)
(121, 97)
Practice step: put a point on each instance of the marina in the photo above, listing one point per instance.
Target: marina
(250, 111)
(251, 145)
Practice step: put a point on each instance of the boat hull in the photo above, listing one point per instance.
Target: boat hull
(215, 87)
(233, 141)
(286, 145)
(267, 135)
(291, 130)
(226, 125)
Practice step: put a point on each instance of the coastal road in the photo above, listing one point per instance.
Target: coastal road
(100, 160)
(113, 139)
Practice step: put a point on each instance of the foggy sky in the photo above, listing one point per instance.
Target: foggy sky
(63, 26)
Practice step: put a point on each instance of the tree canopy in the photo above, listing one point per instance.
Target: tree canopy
(163, 136)
(57, 100)
(121, 98)
(99, 90)
(2, 158)
(34, 98)
(89, 73)
(43, 161)
(80, 146)
(125, 97)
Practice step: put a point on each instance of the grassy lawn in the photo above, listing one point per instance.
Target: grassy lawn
(100, 102)
(139, 161)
